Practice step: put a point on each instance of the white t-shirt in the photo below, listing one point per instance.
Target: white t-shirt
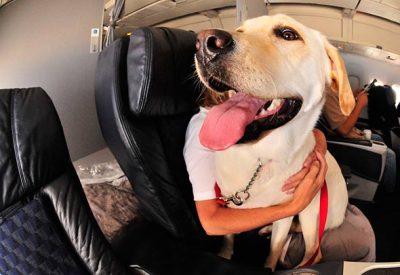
(200, 162)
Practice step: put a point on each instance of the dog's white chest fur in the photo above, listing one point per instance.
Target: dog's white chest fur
(237, 165)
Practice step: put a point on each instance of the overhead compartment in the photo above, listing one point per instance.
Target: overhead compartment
(388, 9)
(150, 12)
(223, 18)
(347, 4)
(374, 31)
(347, 23)
(350, 30)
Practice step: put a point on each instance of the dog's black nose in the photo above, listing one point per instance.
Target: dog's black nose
(211, 43)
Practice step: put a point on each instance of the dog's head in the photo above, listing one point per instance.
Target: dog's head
(278, 68)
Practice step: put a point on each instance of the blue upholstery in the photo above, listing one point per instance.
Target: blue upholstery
(30, 243)
(46, 226)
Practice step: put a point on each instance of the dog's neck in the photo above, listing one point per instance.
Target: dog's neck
(283, 143)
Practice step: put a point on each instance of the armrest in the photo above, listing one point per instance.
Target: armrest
(365, 158)
(350, 268)
(364, 142)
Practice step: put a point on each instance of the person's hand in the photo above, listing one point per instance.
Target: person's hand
(310, 185)
(320, 146)
(357, 92)
(362, 99)
(291, 183)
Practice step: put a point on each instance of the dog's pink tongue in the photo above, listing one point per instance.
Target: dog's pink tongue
(225, 123)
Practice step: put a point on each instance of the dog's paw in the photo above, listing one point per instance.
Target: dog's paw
(226, 253)
(266, 230)
(227, 246)
(307, 258)
(271, 263)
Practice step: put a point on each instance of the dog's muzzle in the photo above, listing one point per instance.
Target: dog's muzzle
(211, 44)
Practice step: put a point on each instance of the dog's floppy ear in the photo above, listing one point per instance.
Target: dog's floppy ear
(340, 82)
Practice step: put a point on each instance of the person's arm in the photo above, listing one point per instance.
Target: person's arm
(217, 220)
(361, 101)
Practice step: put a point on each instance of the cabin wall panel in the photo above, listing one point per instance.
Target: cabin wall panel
(46, 43)
(191, 23)
(367, 69)
(228, 18)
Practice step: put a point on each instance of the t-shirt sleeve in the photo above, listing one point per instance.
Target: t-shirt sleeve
(200, 162)
(332, 111)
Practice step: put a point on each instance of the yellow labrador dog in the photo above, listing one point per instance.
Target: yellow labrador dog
(279, 70)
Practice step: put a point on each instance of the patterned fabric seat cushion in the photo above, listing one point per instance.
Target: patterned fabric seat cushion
(30, 243)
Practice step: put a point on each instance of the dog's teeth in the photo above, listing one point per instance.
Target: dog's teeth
(275, 103)
(263, 111)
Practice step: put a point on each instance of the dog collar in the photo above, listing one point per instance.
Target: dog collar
(240, 196)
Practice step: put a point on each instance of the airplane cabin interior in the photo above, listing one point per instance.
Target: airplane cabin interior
(95, 102)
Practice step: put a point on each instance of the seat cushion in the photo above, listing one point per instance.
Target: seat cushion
(30, 243)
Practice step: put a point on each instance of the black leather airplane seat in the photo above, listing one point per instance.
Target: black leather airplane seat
(146, 93)
(365, 160)
(46, 226)
(382, 114)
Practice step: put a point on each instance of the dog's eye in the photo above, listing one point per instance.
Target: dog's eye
(287, 34)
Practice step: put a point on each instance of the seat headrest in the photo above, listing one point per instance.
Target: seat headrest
(160, 72)
(33, 150)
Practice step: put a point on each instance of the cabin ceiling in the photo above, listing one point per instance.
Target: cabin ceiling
(387, 9)
(151, 12)
(138, 13)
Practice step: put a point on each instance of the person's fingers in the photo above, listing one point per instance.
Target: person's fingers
(359, 95)
(307, 188)
(290, 185)
(314, 169)
(308, 160)
(309, 180)
(290, 191)
(294, 180)
(311, 157)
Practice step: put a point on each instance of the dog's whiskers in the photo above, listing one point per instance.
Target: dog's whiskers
(198, 85)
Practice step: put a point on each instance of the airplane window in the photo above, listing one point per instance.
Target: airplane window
(396, 89)
(378, 82)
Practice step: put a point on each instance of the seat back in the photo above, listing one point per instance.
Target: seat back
(46, 226)
(365, 175)
(382, 112)
(146, 94)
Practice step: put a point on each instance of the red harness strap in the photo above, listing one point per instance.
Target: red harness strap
(218, 194)
(323, 214)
